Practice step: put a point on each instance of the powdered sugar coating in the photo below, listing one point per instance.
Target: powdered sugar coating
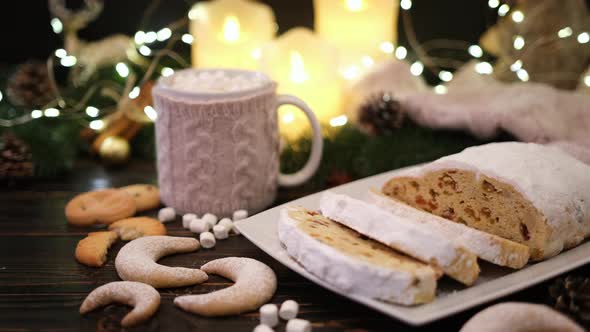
(353, 275)
(520, 317)
(553, 181)
(136, 261)
(255, 284)
(144, 299)
(403, 234)
(486, 246)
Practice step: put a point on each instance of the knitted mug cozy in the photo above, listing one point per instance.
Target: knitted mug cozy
(219, 154)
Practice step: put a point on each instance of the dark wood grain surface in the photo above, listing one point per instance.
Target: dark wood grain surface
(42, 286)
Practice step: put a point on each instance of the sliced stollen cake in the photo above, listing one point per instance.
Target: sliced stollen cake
(403, 234)
(488, 247)
(528, 193)
(352, 263)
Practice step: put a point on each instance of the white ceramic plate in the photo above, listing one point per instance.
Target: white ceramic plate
(494, 282)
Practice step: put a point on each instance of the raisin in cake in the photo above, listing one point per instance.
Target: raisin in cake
(529, 193)
(353, 263)
(403, 234)
(489, 247)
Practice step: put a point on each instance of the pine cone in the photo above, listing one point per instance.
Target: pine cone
(15, 157)
(381, 114)
(30, 85)
(571, 295)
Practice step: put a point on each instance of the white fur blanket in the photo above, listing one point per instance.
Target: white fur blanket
(530, 112)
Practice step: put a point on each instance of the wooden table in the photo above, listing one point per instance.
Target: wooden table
(42, 286)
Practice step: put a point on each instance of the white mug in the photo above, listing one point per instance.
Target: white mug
(219, 151)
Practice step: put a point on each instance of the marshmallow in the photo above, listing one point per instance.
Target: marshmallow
(220, 232)
(263, 328)
(215, 81)
(240, 214)
(166, 214)
(227, 223)
(298, 325)
(207, 240)
(210, 218)
(198, 226)
(187, 218)
(289, 310)
(268, 315)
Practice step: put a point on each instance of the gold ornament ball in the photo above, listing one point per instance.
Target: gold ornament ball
(114, 150)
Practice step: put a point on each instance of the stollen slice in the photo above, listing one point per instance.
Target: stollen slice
(488, 247)
(529, 193)
(403, 234)
(352, 263)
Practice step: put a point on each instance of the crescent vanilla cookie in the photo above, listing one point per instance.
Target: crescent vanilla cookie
(144, 299)
(255, 284)
(137, 261)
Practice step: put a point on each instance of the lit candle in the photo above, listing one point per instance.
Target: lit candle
(303, 65)
(229, 33)
(364, 31)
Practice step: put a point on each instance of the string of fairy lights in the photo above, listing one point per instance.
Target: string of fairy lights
(143, 41)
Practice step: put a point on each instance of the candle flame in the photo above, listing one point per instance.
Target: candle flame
(231, 29)
(298, 73)
(355, 5)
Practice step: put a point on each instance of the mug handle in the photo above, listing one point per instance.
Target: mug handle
(297, 178)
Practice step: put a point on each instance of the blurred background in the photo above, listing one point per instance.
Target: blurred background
(32, 37)
(393, 82)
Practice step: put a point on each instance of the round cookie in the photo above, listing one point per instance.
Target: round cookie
(133, 228)
(101, 206)
(92, 250)
(146, 196)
